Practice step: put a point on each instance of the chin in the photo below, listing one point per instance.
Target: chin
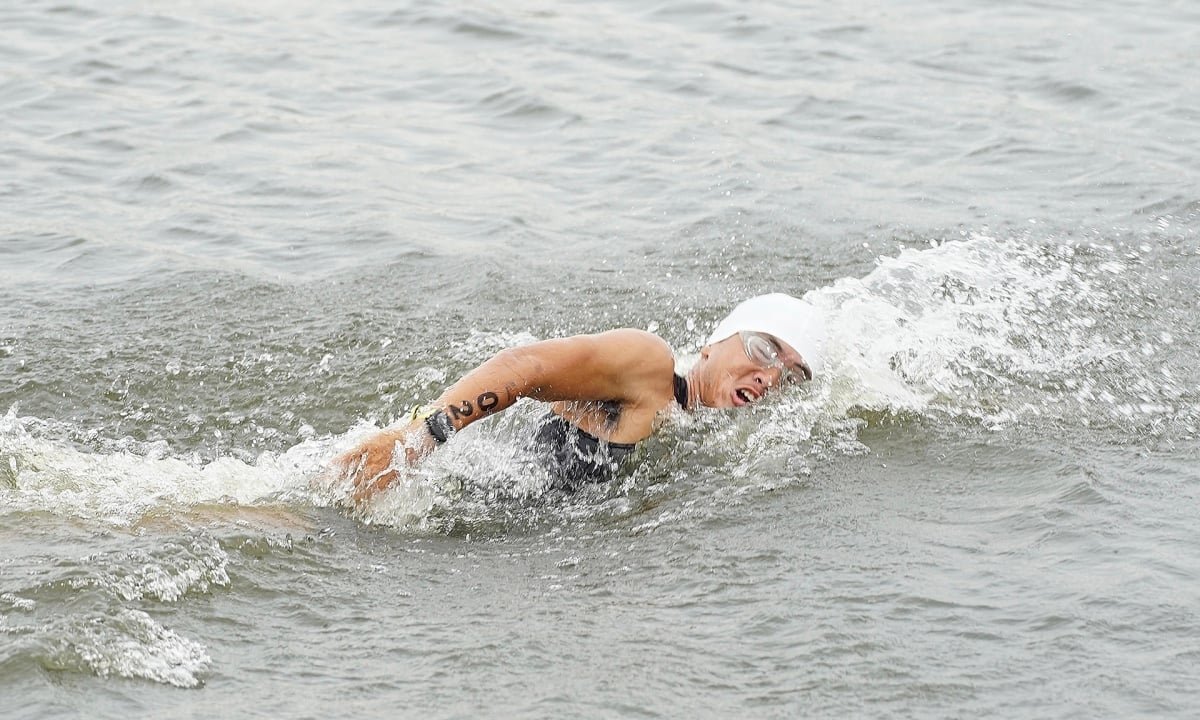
(730, 400)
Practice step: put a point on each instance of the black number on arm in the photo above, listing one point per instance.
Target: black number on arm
(462, 411)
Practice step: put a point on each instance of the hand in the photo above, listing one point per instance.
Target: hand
(371, 466)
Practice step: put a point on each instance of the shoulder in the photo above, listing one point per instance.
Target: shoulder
(640, 364)
(636, 347)
(645, 365)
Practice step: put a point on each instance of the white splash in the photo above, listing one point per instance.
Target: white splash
(967, 328)
(121, 487)
(129, 643)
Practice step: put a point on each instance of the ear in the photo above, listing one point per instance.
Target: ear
(704, 351)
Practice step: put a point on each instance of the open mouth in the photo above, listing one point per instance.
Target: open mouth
(745, 395)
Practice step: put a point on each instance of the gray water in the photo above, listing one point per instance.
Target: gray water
(234, 239)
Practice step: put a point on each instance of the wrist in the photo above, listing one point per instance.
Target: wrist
(436, 420)
(439, 426)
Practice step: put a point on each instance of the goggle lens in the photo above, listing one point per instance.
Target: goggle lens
(763, 353)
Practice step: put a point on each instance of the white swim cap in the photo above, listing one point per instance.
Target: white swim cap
(790, 319)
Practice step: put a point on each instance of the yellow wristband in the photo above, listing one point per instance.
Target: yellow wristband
(421, 412)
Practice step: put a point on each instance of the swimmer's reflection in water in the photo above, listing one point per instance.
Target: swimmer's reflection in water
(606, 391)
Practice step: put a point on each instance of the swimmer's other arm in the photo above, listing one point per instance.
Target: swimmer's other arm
(611, 365)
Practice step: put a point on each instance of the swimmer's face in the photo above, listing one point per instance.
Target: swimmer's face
(742, 368)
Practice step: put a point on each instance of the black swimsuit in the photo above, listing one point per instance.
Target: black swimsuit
(576, 456)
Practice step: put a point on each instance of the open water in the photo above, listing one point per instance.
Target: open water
(234, 237)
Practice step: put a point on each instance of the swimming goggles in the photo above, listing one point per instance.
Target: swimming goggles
(765, 352)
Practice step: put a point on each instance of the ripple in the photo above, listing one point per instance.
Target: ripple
(75, 11)
(154, 184)
(518, 104)
(487, 31)
(1069, 92)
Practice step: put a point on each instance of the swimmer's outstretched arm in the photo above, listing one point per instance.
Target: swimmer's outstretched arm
(624, 365)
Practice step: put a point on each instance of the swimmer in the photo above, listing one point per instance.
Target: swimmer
(606, 391)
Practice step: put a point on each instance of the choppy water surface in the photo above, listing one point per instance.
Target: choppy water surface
(234, 239)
